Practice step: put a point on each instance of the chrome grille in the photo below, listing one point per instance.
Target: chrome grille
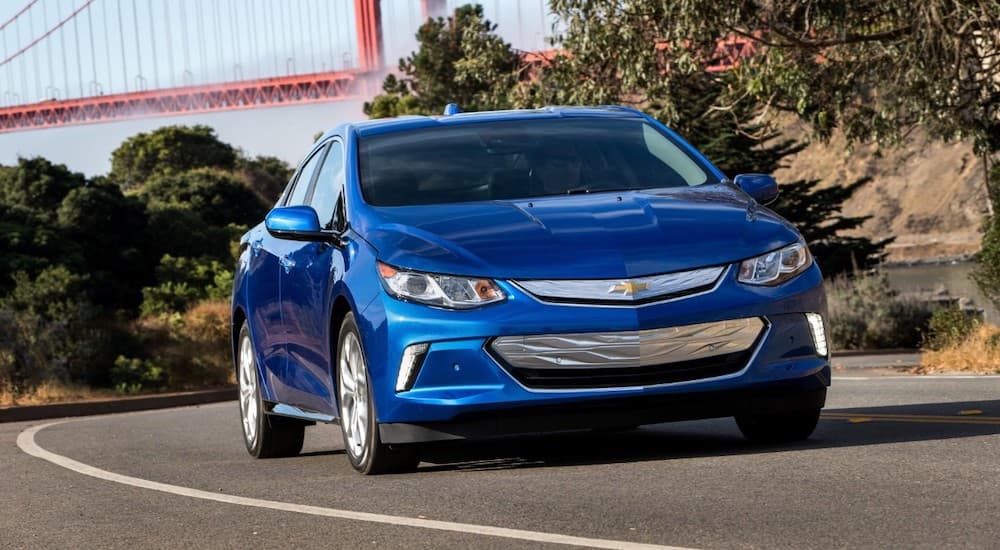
(626, 291)
(617, 359)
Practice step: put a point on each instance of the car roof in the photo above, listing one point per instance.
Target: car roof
(410, 122)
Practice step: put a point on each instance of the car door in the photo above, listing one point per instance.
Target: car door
(277, 263)
(307, 293)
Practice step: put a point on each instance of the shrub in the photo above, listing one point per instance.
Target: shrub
(131, 375)
(47, 331)
(949, 326)
(978, 351)
(191, 348)
(866, 313)
(185, 281)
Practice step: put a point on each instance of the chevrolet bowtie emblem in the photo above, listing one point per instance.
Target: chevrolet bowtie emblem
(628, 288)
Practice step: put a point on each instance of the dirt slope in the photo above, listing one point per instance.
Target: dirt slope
(928, 194)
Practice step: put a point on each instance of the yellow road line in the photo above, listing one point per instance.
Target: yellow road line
(856, 418)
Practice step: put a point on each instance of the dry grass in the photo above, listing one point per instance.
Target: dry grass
(977, 353)
(55, 392)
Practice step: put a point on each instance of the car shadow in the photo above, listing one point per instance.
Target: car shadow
(843, 427)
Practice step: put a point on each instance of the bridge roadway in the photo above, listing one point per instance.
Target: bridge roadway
(896, 462)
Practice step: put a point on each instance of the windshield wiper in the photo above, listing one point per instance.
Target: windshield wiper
(588, 190)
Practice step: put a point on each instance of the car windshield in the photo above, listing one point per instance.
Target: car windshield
(517, 159)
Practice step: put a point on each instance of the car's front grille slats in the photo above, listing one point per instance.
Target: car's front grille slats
(624, 292)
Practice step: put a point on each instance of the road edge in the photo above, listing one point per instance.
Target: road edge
(118, 405)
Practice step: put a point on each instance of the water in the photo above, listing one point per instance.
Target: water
(953, 278)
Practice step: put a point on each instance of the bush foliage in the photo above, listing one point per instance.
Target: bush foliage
(866, 313)
(104, 281)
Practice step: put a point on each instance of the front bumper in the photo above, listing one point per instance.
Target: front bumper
(807, 393)
(460, 381)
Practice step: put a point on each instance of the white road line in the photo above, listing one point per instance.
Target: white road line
(26, 441)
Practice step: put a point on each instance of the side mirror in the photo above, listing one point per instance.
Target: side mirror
(297, 223)
(761, 187)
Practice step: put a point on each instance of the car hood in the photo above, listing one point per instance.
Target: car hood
(593, 236)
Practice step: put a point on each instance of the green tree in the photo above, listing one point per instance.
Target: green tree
(30, 244)
(46, 330)
(265, 175)
(169, 151)
(30, 195)
(987, 270)
(611, 56)
(874, 69)
(219, 198)
(110, 230)
(460, 60)
(37, 185)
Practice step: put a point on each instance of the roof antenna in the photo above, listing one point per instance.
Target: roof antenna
(452, 109)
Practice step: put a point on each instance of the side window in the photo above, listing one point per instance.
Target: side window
(672, 155)
(329, 184)
(298, 195)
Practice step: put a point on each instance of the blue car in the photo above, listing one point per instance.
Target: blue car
(478, 275)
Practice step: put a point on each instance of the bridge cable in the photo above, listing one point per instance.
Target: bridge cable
(306, 21)
(48, 54)
(184, 38)
(9, 93)
(228, 8)
(170, 50)
(93, 52)
(24, 74)
(271, 34)
(107, 44)
(16, 15)
(323, 24)
(253, 50)
(152, 42)
(290, 23)
(79, 60)
(346, 58)
(34, 53)
(202, 46)
(139, 84)
(58, 26)
(253, 43)
(63, 49)
(284, 34)
(121, 39)
(217, 28)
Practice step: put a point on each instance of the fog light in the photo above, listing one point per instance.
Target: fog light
(819, 334)
(413, 358)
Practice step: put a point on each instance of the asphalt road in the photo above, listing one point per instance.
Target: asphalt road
(897, 462)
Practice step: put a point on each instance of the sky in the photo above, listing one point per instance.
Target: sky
(109, 47)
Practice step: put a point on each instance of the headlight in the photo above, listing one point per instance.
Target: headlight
(777, 266)
(439, 290)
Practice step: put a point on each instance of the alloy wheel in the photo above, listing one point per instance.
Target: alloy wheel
(354, 407)
(249, 405)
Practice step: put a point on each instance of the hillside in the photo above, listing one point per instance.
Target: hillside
(927, 194)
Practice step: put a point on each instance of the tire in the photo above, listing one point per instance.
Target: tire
(780, 427)
(265, 435)
(365, 451)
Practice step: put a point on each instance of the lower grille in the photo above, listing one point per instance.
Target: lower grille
(577, 378)
(627, 359)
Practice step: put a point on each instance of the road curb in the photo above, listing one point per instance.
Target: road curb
(110, 406)
(874, 352)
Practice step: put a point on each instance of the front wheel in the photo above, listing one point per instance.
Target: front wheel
(364, 448)
(779, 427)
(265, 436)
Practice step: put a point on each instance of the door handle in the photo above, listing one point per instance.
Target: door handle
(256, 246)
(287, 262)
